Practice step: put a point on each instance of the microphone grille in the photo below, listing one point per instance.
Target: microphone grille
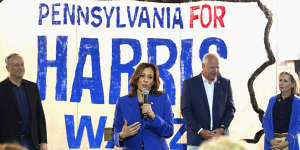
(145, 92)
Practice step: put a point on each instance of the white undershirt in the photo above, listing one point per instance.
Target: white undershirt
(209, 89)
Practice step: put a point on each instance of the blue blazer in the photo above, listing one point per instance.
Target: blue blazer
(153, 133)
(195, 109)
(294, 127)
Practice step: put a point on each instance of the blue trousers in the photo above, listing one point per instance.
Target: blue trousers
(27, 142)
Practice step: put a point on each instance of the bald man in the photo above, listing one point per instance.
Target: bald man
(206, 103)
(21, 112)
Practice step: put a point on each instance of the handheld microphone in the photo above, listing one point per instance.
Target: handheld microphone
(145, 97)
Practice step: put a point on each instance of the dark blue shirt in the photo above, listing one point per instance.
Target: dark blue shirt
(21, 96)
(282, 111)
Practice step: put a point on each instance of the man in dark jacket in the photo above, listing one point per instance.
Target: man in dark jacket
(206, 103)
(21, 112)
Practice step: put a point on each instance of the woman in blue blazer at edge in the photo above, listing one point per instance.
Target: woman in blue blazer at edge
(134, 131)
(282, 118)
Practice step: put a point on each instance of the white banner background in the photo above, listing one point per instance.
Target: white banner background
(243, 35)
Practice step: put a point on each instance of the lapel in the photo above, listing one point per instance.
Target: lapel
(292, 120)
(202, 94)
(133, 109)
(217, 90)
(152, 99)
(29, 93)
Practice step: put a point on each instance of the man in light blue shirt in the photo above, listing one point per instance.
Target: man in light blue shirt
(206, 103)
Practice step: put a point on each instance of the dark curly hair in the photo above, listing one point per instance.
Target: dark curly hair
(136, 75)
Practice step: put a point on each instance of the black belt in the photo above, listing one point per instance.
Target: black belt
(25, 135)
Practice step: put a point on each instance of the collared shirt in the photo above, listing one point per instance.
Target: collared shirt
(209, 89)
(21, 96)
(282, 111)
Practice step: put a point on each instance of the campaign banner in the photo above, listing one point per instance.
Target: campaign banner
(82, 54)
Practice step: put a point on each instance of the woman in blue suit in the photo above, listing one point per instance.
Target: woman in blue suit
(282, 118)
(143, 126)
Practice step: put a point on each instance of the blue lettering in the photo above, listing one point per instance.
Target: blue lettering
(163, 69)
(108, 16)
(81, 13)
(132, 21)
(119, 25)
(95, 141)
(186, 70)
(54, 13)
(70, 14)
(97, 16)
(144, 19)
(85, 122)
(160, 18)
(178, 135)
(60, 63)
(117, 68)
(178, 20)
(94, 84)
(219, 43)
(168, 18)
(110, 144)
(43, 15)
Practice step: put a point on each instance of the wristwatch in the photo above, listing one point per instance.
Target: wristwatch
(222, 126)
